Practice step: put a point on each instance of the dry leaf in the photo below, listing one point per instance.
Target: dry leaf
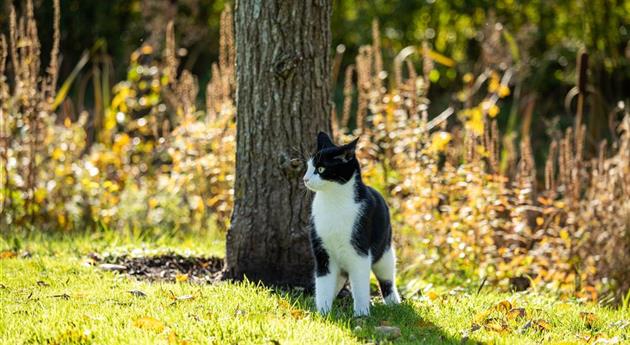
(496, 325)
(297, 314)
(150, 324)
(503, 306)
(516, 313)
(7, 254)
(181, 278)
(588, 318)
(541, 325)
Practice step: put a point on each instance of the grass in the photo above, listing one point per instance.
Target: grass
(52, 297)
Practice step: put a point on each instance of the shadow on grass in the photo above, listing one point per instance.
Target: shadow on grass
(414, 328)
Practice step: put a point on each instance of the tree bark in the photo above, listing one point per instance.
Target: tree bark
(283, 100)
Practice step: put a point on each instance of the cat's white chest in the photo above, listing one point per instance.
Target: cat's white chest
(335, 216)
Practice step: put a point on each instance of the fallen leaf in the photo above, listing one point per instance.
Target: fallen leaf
(391, 332)
(42, 283)
(385, 323)
(503, 306)
(297, 314)
(541, 325)
(481, 317)
(496, 325)
(184, 297)
(7, 254)
(516, 313)
(181, 278)
(588, 318)
(150, 324)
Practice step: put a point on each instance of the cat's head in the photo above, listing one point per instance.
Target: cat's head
(331, 165)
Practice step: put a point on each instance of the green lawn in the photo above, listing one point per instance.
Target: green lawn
(52, 296)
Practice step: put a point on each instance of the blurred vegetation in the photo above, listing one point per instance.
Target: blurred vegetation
(539, 38)
(478, 125)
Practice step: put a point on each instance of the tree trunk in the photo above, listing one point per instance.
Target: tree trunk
(283, 100)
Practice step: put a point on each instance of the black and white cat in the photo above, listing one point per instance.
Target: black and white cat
(351, 233)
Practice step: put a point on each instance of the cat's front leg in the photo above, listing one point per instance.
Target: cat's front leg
(360, 285)
(326, 288)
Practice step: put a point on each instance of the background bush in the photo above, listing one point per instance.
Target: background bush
(468, 118)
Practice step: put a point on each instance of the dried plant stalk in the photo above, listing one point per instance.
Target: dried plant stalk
(348, 89)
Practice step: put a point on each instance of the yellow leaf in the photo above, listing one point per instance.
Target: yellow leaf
(40, 195)
(7, 254)
(564, 234)
(439, 141)
(181, 278)
(468, 77)
(150, 324)
(540, 220)
(494, 84)
(57, 154)
(516, 313)
(588, 318)
(541, 325)
(496, 325)
(441, 59)
(297, 314)
(559, 204)
(493, 111)
(475, 122)
(503, 306)
(432, 295)
(504, 91)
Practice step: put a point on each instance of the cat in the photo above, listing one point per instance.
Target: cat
(351, 233)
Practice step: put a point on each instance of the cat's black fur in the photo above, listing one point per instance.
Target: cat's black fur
(372, 231)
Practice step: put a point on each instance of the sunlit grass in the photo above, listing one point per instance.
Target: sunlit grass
(51, 296)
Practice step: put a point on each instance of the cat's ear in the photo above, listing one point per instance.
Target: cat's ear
(323, 141)
(348, 150)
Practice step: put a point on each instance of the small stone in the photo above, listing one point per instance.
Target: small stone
(388, 331)
(137, 293)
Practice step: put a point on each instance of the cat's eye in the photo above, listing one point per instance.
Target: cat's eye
(321, 169)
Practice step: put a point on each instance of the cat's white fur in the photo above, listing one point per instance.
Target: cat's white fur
(335, 212)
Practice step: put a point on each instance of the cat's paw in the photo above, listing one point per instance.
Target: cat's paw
(361, 312)
(392, 298)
